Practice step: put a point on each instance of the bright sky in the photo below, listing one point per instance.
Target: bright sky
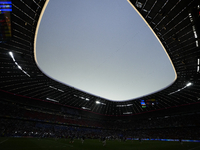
(102, 47)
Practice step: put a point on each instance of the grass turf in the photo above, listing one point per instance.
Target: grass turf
(62, 144)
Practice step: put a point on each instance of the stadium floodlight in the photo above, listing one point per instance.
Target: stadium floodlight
(126, 113)
(11, 54)
(197, 44)
(195, 34)
(103, 103)
(53, 100)
(19, 67)
(98, 102)
(121, 106)
(53, 87)
(86, 108)
(60, 90)
(189, 84)
(124, 105)
(56, 89)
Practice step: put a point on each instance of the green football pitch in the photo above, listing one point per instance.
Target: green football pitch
(63, 144)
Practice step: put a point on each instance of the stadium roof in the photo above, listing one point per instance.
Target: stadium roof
(176, 23)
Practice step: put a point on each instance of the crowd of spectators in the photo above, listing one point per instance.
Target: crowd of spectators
(184, 120)
(22, 128)
(20, 120)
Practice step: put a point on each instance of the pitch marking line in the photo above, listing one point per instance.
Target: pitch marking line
(61, 143)
(3, 141)
(194, 148)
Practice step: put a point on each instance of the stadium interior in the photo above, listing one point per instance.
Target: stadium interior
(32, 104)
